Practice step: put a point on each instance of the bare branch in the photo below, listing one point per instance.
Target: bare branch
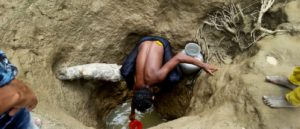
(265, 6)
(231, 30)
(225, 20)
(240, 11)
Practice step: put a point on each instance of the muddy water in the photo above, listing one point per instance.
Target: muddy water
(118, 118)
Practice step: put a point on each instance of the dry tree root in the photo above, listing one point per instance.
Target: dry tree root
(265, 6)
(200, 37)
(245, 29)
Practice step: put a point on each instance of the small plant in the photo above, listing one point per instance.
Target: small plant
(244, 28)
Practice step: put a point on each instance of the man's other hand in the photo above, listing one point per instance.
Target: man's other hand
(210, 69)
(26, 97)
(131, 117)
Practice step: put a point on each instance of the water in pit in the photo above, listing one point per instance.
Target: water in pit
(118, 118)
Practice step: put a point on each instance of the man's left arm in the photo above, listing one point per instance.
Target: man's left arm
(182, 58)
(132, 113)
(14, 94)
(8, 98)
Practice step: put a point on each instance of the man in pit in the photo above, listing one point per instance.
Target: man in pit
(151, 68)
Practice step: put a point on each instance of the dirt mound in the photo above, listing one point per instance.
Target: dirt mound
(233, 97)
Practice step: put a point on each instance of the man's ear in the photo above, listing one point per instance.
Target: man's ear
(153, 97)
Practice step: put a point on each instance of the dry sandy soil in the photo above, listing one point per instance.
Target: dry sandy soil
(232, 99)
(42, 36)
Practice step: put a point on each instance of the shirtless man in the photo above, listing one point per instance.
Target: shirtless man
(150, 70)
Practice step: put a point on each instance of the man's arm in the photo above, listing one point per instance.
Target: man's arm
(9, 97)
(16, 95)
(132, 113)
(182, 58)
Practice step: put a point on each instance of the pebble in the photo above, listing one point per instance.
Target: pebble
(272, 60)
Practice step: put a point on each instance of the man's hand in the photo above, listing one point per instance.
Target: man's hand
(26, 97)
(210, 69)
(183, 58)
(131, 117)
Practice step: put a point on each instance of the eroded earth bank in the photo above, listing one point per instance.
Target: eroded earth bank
(40, 37)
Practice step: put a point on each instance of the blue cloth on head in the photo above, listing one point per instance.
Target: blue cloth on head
(21, 120)
(128, 67)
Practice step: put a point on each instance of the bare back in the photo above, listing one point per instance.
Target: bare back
(148, 63)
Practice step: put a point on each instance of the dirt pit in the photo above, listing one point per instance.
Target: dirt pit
(118, 118)
(40, 37)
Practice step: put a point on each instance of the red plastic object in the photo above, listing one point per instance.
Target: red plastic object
(135, 124)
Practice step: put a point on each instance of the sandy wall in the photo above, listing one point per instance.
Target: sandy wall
(42, 36)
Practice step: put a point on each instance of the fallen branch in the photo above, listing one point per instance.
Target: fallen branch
(97, 71)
